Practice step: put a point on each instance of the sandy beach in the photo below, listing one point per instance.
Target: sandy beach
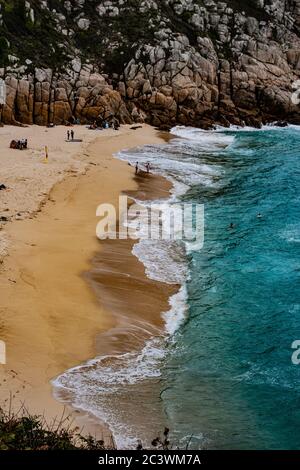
(52, 315)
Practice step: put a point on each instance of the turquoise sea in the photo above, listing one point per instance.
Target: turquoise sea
(222, 376)
(231, 378)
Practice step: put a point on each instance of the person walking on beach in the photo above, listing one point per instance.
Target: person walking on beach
(148, 167)
(72, 134)
(136, 168)
(68, 135)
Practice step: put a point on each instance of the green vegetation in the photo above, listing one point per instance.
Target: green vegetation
(3, 51)
(25, 432)
(37, 41)
(181, 24)
(112, 41)
(109, 42)
(250, 7)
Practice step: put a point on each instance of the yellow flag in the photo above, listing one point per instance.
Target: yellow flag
(46, 154)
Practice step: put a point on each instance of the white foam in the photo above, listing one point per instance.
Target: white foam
(163, 262)
(180, 161)
(91, 385)
(266, 127)
(175, 317)
(128, 368)
(207, 140)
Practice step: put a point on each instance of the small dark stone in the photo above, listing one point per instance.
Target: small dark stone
(281, 124)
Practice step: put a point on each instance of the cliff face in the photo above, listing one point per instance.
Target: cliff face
(192, 62)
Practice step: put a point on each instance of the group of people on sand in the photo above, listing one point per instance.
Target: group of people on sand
(70, 135)
(112, 124)
(137, 168)
(21, 144)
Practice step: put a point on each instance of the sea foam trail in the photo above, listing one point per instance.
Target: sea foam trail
(92, 387)
(100, 385)
(207, 140)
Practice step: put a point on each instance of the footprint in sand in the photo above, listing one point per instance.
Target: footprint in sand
(27, 278)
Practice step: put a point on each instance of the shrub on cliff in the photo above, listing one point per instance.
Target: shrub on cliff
(26, 432)
(23, 431)
(3, 52)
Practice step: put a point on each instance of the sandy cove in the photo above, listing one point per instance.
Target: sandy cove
(51, 319)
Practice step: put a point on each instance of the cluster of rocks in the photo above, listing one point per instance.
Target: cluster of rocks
(206, 63)
(46, 97)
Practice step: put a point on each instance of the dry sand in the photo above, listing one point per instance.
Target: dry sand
(27, 177)
(50, 317)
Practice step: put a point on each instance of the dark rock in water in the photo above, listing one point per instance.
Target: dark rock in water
(172, 62)
(281, 124)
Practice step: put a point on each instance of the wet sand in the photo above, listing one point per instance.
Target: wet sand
(119, 281)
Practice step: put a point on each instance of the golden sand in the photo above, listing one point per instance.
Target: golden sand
(51, 319)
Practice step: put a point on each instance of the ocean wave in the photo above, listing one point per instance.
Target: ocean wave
(181, 161)
(164, 262)
(206, 140)
(266, 127)
(90, 386)
(176, 316)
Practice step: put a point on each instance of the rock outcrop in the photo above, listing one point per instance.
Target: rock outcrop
(170, 62)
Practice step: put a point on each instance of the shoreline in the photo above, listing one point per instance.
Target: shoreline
(40, 340)
(136, 302)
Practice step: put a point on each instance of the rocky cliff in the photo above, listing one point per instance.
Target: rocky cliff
(192, 62)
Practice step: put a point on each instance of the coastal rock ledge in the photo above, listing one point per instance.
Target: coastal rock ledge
(189, 62)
